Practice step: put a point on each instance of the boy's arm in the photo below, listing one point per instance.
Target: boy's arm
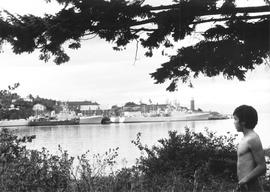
(258, 154)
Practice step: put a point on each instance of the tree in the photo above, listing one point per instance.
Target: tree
(130, 104)
(7, 98)
(235, 41)
(13, 106)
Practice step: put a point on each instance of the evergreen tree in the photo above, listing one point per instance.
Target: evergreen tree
(235, 41)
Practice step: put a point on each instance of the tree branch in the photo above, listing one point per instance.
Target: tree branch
(229, 18)
(142, 29)
(220, 11)
(258, 9)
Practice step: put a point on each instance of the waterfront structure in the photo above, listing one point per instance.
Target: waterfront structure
(144, 108)
(86, 108)
(39, 107)
(192, 105)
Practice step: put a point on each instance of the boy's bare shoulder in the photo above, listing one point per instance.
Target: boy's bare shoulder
(253, 140)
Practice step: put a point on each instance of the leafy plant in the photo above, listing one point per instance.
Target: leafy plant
(30, 170)
(183, 162)
(208, 156)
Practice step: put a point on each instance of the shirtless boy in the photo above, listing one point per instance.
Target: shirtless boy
(250, 154)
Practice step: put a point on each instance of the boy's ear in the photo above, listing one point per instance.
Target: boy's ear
(243, 123)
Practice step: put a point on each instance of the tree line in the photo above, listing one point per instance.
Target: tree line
(13, 106)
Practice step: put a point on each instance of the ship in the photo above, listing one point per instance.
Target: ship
(117, 119)
(94, 119)
(64, 117)
(164, 113)
(52, 122)
(14, 122)
(175, 116)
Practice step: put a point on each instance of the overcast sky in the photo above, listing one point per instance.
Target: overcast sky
(95, 72)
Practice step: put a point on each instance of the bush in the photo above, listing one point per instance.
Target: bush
(31, 170)
(182, 162)
(191, 156)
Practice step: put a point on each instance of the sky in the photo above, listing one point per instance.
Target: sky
(97, 73)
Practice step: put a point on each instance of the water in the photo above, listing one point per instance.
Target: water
(77, 139)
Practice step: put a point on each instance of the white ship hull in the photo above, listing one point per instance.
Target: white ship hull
(14, 123)
(175, 117)
(91, 119)
(117, 119)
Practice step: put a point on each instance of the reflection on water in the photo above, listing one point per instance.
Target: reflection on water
(77, 139)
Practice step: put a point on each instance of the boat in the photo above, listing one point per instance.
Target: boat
(159, 117)
(105, 120)
(117, 119)
(173, 117)
(94, 119)
(52, 122)
(64, 117)
(14, 122)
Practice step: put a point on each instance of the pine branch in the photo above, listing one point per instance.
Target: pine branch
(257, 9)
(229, 18)
(220, 11)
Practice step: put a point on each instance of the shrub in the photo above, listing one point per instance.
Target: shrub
(212, 158)
(182, 162)
(31, 170)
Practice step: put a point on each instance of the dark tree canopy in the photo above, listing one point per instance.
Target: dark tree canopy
(236, 40)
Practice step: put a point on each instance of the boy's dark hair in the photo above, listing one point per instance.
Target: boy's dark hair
(248, 115)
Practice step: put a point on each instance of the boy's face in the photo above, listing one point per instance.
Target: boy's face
(237, 124)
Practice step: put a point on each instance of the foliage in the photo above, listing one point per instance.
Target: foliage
(235, 40)
(7, 96)
(31, 170)
(13, 106)
(230, 50)
(187, 162)
(130, 104)
(212, 157)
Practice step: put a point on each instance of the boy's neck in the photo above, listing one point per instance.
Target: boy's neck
(247, 131)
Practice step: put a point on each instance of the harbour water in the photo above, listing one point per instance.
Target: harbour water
(77, 139)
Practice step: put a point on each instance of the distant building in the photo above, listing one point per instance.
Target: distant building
(192, 105)
(130, 107)
(144, 108)
(12, 107)
(84, 107)
(39, 107)
(28, 98)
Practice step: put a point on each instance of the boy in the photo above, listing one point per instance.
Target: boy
(250, 154)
